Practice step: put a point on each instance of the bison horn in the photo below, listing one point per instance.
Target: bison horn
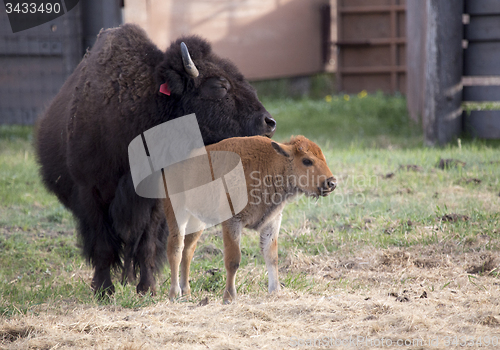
(189, 65)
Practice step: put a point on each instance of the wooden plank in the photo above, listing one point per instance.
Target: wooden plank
(483, 124)
(394, 53)
(481, 93)
(483, 28)
(366, 56)
(482, 7)
(416, 27)
(340, 35)
(482, 58)
(371, 42)
(373, 9)
(372, 70)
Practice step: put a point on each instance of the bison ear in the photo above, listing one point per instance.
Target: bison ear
(279, 149)
(174, 81)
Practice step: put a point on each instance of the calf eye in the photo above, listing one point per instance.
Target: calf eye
(307, 162)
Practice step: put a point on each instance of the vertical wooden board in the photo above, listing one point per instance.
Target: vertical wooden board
(357, 27)
(482, 58)
(401, 25)
(482, 28)
(401, 55)
(415, 45)
(402, 83)
(481, 93)
(482, 7)
(35, 63)
(354, 83)
(483, 124)
(361, 3)
(366, 56)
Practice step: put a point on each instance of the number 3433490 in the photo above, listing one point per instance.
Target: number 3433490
(26, 7)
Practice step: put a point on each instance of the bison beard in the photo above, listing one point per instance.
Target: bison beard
(111, 97)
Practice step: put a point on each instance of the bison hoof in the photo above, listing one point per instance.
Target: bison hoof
(103, 293)
(102, 286)
(143, 289)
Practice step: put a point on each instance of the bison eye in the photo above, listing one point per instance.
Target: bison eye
(215, 88)
(307, 162)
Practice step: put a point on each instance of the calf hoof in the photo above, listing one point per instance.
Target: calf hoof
(175, 292)
(274, 289)
(228, 297)
(186, 292)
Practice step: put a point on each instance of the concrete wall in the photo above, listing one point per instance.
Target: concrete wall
(264, 38)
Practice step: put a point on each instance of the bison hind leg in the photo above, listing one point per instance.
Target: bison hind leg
(141, 224)
(151, 252)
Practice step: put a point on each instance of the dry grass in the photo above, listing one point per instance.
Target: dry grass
(421, 292)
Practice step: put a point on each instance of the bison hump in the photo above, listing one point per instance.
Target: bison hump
(121, 65)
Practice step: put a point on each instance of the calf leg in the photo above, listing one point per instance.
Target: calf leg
(190, 242)
(175, 246)
(269, 246)
(231, 233)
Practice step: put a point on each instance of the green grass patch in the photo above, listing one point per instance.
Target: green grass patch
(391, 193)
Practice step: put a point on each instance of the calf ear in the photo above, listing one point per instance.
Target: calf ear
(278, 148)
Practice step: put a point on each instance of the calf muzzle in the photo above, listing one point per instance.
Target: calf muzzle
(328, 186)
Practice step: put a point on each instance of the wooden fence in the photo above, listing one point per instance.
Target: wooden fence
(482, 61)
(371, 46)
(453, 56)
(34, 63)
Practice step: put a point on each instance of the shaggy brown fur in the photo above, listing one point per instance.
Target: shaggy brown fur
(274, 173)
(111, 97)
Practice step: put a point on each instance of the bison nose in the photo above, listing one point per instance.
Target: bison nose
(270, 122)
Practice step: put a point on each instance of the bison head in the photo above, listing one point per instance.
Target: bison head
(200, 82)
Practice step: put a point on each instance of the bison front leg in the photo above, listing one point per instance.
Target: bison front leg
(231, 233)
(190, 242)
(269, 246)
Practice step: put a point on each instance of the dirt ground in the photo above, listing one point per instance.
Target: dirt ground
(413, 298)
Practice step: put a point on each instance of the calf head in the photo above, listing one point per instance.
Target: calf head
(309, 173)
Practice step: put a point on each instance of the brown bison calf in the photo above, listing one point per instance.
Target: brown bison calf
(274, 173)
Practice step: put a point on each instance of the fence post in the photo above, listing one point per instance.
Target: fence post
(440, 98)
(96, 15)
(443, 111)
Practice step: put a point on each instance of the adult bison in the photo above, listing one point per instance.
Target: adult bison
(112, 96)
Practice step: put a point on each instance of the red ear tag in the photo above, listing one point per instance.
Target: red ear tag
(164, 89)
